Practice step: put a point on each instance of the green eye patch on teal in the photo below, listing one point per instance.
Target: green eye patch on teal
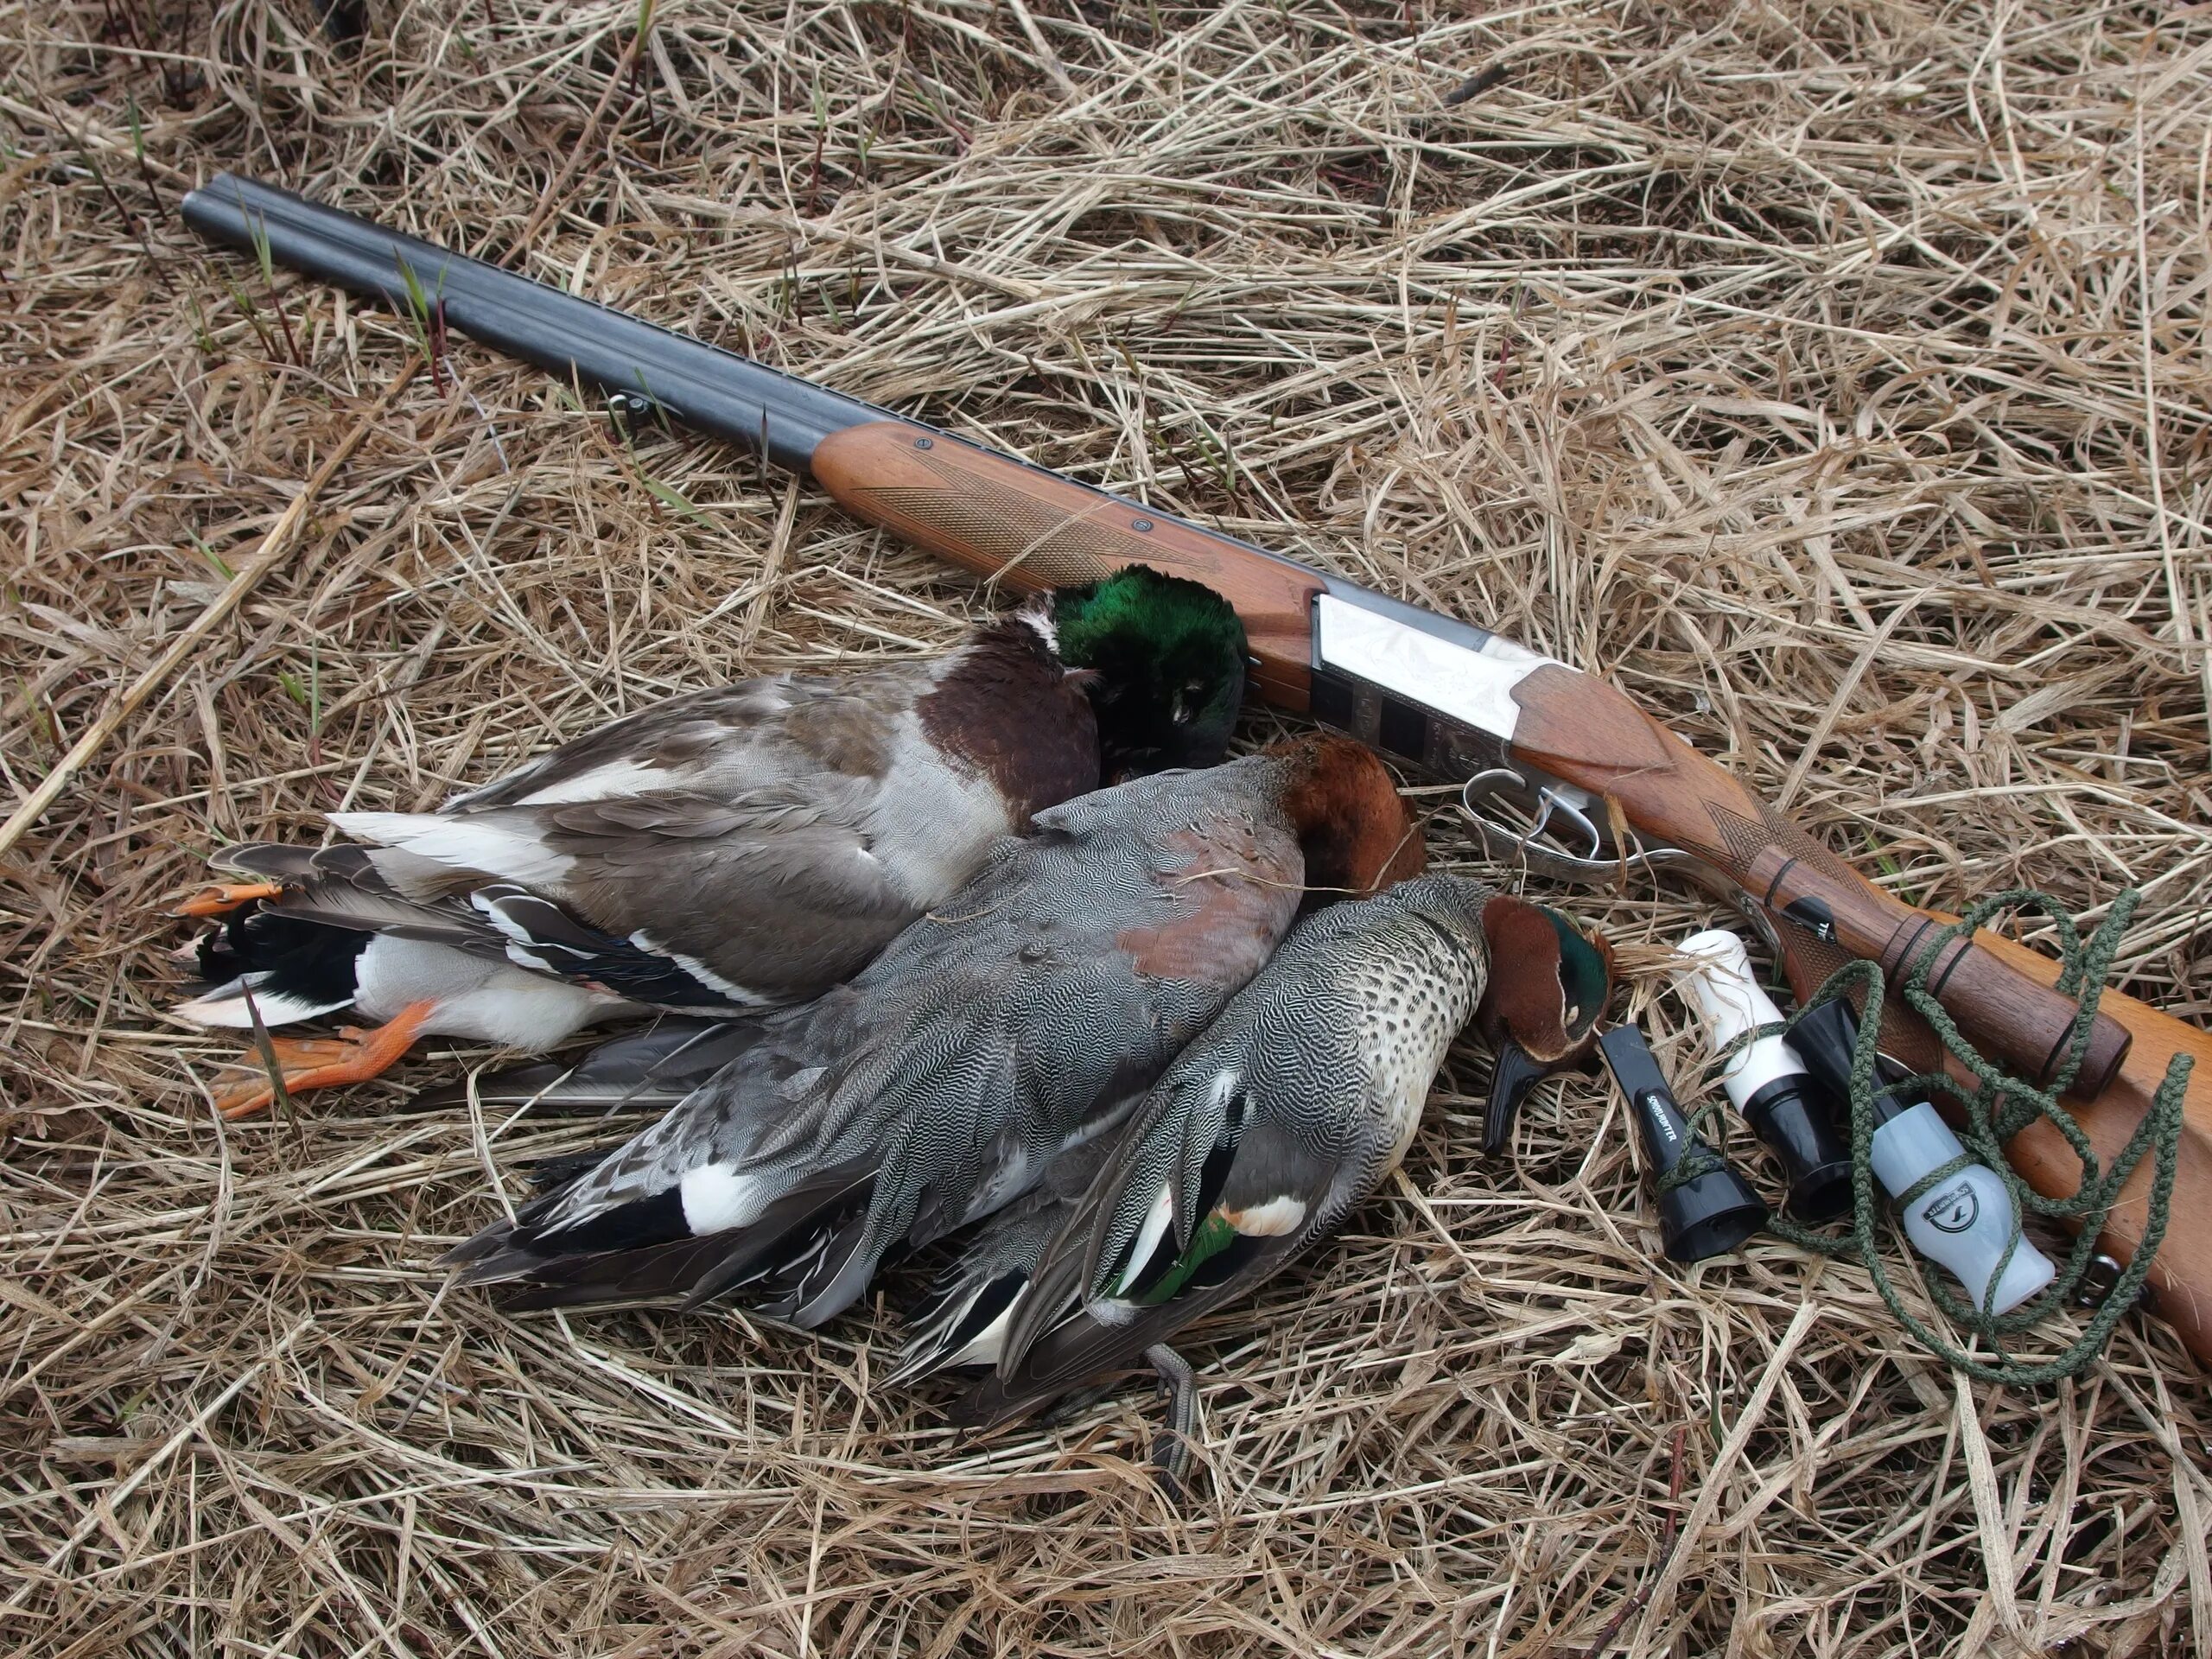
(1584, 976)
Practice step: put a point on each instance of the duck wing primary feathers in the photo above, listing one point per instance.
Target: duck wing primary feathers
(933, 1088)
(1288, 1110)
(650, 1068)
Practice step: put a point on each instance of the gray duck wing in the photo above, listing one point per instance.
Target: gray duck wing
(1121, 1275)
(725, 741)
(950, 1071)
(758, 900)
(962, 1319)
(651, 1069)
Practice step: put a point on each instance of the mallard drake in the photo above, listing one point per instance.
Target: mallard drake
(1289, 1110)
(999, 1030)
(1541, 1017)
(739, 848)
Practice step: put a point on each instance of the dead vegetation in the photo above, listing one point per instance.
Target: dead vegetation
(1834, 375)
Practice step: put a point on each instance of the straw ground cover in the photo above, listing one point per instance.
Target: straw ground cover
(1834, 375)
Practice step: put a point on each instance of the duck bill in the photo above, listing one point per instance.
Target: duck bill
(1515, 1072)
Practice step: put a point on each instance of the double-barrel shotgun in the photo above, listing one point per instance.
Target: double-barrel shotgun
(1575, 774)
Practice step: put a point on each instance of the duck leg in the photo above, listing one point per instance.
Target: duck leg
(225, 897)
(354, 1056)
(1171, 1447)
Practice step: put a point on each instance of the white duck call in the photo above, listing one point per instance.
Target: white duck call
(1766, 1080)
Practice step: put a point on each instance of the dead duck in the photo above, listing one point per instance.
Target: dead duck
(1292, 1107)
(999, 1030)
(740, 848)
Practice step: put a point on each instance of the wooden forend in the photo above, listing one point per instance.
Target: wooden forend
(1578, 727)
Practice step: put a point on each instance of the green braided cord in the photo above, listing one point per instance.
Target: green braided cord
(1697, 1159)
(1998, 1107)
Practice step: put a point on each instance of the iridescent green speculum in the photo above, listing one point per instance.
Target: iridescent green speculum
(1170, 654)
(1213, 1236)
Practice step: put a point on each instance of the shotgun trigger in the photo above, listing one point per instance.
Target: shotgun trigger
(1512, 815)
(1549, 829)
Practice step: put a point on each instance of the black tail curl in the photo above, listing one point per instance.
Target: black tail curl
(304, 960)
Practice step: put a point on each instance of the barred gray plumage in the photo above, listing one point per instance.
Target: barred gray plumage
(1291, 1107)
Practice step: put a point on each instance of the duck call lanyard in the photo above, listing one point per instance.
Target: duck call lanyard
(1998, 1107)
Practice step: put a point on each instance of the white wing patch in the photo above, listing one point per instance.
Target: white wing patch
(987, 1345)
(717, 1197)
(463, 844)
(1278, 1217)
(1148, 1236)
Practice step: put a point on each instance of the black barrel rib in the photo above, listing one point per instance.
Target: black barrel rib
(698, 384)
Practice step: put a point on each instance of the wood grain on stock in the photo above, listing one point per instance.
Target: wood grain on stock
(2182, 1276)
(1578, 727)
(1809, 963)
(1010, 522)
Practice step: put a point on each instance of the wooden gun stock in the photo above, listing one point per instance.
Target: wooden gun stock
(1034, 530)
(2180, 1279)
(1578, 727)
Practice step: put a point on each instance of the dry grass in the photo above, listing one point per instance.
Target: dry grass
(1820, 371)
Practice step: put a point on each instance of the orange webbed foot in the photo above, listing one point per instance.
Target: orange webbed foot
(225, 897)
(354, 1056)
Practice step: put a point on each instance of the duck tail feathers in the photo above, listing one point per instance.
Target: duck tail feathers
(291, 866)
(825, 1274)
(644, 1250)
(233, 1007)
(660, 1275)
(963, 1323)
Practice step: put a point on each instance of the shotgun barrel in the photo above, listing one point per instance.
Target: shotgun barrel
(568, 336)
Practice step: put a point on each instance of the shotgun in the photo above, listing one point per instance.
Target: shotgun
(1570, 767)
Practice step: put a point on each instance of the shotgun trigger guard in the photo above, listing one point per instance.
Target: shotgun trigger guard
(1553, 830)
(1535, 805)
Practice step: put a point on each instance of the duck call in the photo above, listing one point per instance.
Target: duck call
(1714, 1211)
(1765, 1079)
(2180, 1281)
(1965, 1221)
